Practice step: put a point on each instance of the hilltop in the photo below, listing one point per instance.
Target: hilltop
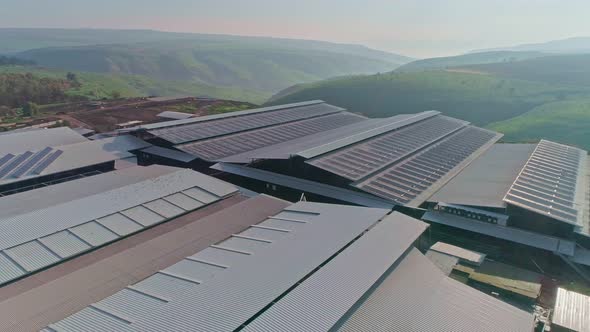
(262, 65)
(481, 99)
(526, 94)
(467, 59)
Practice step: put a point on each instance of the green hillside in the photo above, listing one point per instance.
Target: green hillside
(467, 59)
(571, 69)
(97, 86)
(265, 65)
(481, 99)
(566, 122)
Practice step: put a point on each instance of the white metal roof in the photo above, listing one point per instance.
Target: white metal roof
(223, 286)
(486, 180)
(43, 197)
(572, 311)
(170, 154)
(38, 139)
(418, 297)
(360, 136)
(470, 256)
(174, 115)
(553, 183)
(93, 220)
(227, 115)
(321, 300)
(86, 153)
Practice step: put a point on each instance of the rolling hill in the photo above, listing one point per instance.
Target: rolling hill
(481, 99)
(98, 86)
(264, 65)
(467, 59)
(568, 45)
(568, 69)
(564, 121)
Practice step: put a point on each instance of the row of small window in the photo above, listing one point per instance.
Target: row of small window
(467, 214)
(37, 254)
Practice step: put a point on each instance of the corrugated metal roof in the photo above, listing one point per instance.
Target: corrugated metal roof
(9, 269)
(64, 244)
(38, 223)
(470, 256)
(572, 311)
(321, 300)
(492, 174)
(341, 194)
(362, 159)
(82, 154)
(293, 147)
(446, 263)
(41, 237)
(38, 139)
(174, 115)
(532, 239)
(553, 183)
(119, 224)
(56, 194)
(163, 208)
(220, 288)
(384, 126)
(237, 143)
(27, 305)
(32, 255)
(210, 129)
(170, 154)
(94, 233)
(417, 296)
(413, 180)
(227, 115)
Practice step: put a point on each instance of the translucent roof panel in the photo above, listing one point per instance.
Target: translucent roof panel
(359, 160)
(414, 179)
(552, 182)
(208, 129)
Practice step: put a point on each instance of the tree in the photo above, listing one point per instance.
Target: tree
(30, 109)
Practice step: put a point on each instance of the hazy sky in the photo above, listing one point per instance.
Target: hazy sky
(412, 27)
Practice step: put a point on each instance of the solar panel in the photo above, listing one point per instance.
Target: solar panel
(408, 179)
(11, 165)
(548, 183)
(362, 159)
(46, 162)
(23, 168)
(5, 159)
(222, 147)
(214, 128)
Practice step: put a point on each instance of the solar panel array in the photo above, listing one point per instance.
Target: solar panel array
(360, 160)
(27, 163)
(403, 182)
(548, 182)
(33, 255)
(208, 129)
(222, 147)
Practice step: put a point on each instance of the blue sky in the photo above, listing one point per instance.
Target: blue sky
(412, 27)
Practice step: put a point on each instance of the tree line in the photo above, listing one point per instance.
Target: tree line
(17, 89)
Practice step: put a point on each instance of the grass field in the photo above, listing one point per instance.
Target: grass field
(566, 122)
(481, 99)
(98, 86)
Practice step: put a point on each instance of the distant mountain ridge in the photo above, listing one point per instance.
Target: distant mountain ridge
(265, 65)
(467, 59)
(568, 45)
